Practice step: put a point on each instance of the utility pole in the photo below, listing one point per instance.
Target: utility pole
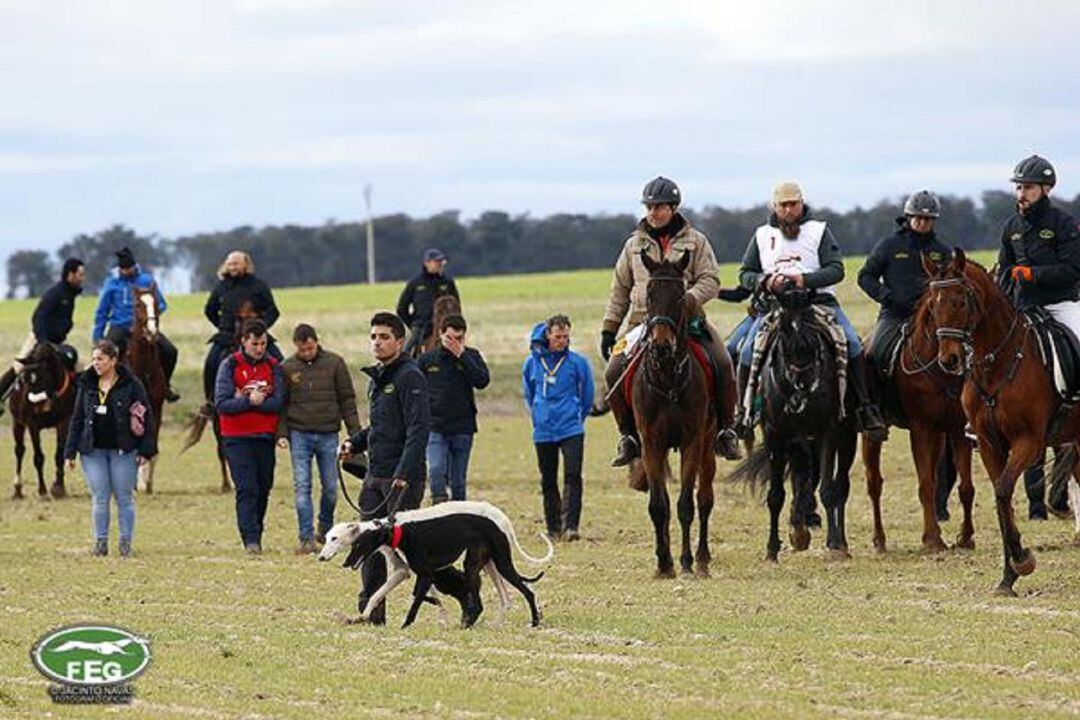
(370, 236)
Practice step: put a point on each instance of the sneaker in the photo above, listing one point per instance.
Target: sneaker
(125, 548)
(101, 548)
(306, 547)
(253, 548)
(571, 535)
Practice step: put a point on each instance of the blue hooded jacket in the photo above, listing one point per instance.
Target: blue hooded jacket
(559, 402)
(115, 302)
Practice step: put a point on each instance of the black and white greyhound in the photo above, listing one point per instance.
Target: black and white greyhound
(428, 542)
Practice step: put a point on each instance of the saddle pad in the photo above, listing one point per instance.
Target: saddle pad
(1060, 354)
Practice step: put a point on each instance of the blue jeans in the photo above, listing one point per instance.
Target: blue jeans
(448, 460)
(111, 473)
(323, 446)
(738, 334)
(854, 345)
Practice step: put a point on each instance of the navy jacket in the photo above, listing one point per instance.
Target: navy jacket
(1047, 240)
(451, 382)
(893, 274)
(126, 391)
(230, 292)
(396, 440)
(416, 306)
(52, 317)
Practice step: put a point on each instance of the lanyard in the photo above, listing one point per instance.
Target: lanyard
(103, 394)
(552, 371)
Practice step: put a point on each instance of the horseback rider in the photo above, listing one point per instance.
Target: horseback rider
(416, 306)
(1040, 247)
(792, 247)
(51, 323)
(663, 233)
(756, 309)
(893, 274)
(237, 285)
(116, 309)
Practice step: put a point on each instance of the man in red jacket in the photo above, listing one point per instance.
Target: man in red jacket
(248, 397)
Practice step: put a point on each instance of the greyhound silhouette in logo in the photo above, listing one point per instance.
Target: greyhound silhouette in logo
(106, 647)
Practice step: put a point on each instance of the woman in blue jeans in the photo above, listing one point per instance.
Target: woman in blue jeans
(111, 431)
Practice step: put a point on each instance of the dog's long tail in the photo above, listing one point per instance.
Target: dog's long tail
(535, 560)
(534, 578)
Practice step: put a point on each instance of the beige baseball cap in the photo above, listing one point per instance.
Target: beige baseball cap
(787, 191)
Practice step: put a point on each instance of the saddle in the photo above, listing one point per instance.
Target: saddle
(696, 349)
(885, 351)
(1059, 351)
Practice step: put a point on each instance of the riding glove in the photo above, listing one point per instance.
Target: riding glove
(607, 342)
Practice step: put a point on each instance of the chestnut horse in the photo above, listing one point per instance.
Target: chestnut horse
(44, 397)
(1008, 396)
(143, 356)
(673, 408)
(929, 407)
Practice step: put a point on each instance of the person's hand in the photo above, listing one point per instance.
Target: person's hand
(71, 464)
(799, 281)
(607, 342)
(283, 442)
(256, 397)
(399, 484)
(1023, 273)
(239, 393)
(452, 344)
(142, 459)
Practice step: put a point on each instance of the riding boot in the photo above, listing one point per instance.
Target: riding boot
(629, 445)
(744, 428)
(726, 443)
(868, 414)
(169, 356)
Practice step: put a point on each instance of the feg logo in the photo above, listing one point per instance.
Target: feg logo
(89, 655)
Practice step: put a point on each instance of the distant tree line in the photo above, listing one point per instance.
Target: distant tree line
(493, 243)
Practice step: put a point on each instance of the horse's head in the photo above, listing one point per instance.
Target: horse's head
(955, 302)
(665, 301)
(44, 373)
(802, 354)
(146, 310)
(447, 304)
(245, 311)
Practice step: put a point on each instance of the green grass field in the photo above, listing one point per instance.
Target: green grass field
(897, 636)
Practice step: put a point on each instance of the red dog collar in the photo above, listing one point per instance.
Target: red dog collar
(395, 539)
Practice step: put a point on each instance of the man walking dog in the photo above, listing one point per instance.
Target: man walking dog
(395, 441)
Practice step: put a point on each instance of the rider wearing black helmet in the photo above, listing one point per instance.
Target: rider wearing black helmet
(664, 234)
(893, 274)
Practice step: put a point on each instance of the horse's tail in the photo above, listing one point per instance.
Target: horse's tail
(1064, 465)
(196, 428)
(753, 472)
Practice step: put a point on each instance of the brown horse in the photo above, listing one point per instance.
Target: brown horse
(44, 397)
(143, 356)
(929, 407)
(445, 305)
(206, 414)
(1008, 395)
(673, 408)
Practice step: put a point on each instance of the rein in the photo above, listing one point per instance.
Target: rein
(653, 364)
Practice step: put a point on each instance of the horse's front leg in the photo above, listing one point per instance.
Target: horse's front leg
(659, 510)
(18, 432)
(961, 451)
(706, 475)
(1004, 470)
(926, 450)
(846, 441)
(688, 472)
(775, 501)
(39, 459)
(871, 457)
(802, 496)
(58, 489)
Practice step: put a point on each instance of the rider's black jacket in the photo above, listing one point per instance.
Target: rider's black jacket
(1047, 240)
(416, 306)
(230, 292)
(52, 317)
(893, 274)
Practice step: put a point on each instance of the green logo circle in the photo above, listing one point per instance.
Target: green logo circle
(91, 655)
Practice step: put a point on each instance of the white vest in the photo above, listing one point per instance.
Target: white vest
(791, 257)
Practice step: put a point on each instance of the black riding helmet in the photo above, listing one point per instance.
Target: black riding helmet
(923, 204)
(661, 191)
(1034, 169)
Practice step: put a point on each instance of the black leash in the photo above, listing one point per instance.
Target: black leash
(397, 497)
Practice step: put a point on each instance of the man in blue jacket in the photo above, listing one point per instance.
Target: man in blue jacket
(558, 388)
(116, 310)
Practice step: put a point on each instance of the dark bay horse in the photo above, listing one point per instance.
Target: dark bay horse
(207, 414)
(44, 397)
(673, 408)
(1008, 394)
(143, 356)
(801, 422)
(925, 400)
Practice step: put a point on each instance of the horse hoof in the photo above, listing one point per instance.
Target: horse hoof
(687, 571)
(879, 547)
(932, 547)
(965, 543)
(702, 572)
(800, 539)
(17, 495)
(772, 559)
(1026, 564)
(58, 491)
(1004, 591)
(837, 555)
(664, 573)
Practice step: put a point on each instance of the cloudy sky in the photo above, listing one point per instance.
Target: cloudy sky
(177, 117)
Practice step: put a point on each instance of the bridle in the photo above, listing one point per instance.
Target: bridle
(654, 365)
(799, 397)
